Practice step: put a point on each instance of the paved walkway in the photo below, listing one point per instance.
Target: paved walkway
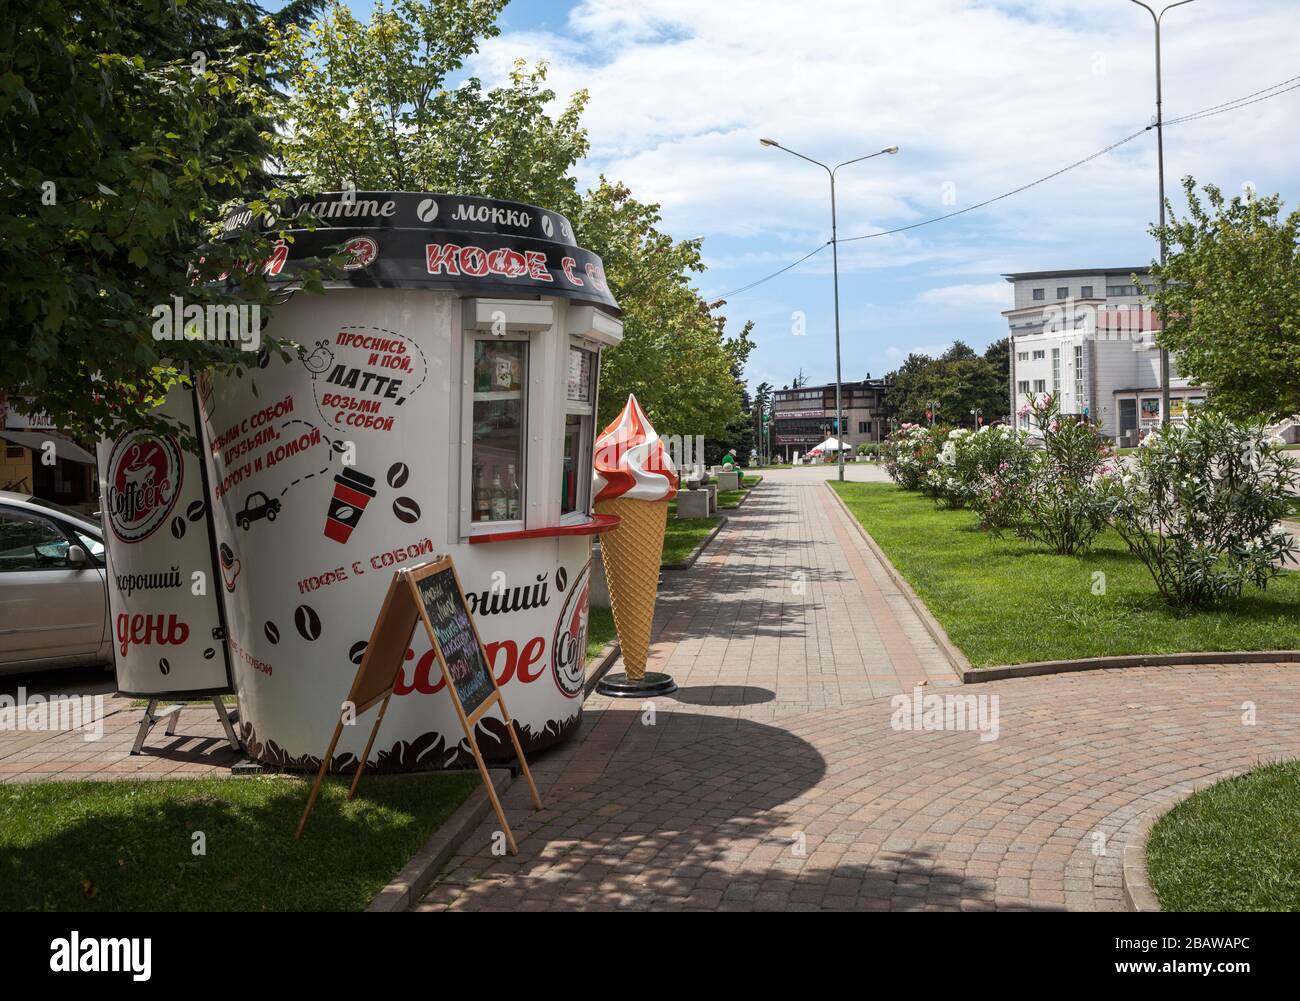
(775, 780)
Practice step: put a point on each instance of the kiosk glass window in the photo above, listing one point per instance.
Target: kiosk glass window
(579, 418)
(497, 458)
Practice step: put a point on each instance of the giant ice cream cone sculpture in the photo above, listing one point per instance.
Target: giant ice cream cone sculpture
(634, 478)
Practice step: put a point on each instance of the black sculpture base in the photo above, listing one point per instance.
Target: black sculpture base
(619, 686)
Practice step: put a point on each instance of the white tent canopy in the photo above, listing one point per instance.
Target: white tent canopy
(829, 445)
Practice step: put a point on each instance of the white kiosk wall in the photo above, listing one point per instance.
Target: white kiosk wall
(330, 472)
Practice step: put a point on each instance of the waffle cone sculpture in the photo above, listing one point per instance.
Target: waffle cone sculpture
(634, 478)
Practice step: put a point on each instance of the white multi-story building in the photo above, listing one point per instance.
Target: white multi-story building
(1089, 337)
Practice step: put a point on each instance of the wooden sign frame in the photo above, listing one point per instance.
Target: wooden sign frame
(381, 666)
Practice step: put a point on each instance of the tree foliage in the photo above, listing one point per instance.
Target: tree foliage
(128, 127)
(374, 107)
(959, 380)
(1231, 286)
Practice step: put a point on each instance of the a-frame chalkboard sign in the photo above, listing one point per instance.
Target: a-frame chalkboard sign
(430, 594)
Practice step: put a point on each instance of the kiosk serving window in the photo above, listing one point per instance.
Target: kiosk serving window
(497, 477)
(579, 414)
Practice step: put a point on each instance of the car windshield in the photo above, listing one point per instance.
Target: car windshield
(82, 521)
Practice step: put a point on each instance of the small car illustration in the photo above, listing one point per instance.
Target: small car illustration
(257, 506)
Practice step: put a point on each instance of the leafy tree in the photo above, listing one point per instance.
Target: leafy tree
(127, 129)
(374, 107)
(998, 355)
(1231, 287)
(959, 380)
(675, 355)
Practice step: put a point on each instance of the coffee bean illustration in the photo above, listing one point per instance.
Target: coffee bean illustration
(307, 621)
(561, 579)
(357, 651)
(178, 527)
(209, 653)
(272, 633)
(227, 555)
(406, 510)
(195, 511)
(398, 475)
(163, 666)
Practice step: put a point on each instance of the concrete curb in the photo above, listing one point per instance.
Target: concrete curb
(955, 657)
(975, 675)
(1138, 893)
(604, 661)
(409, 885)
(689, 562)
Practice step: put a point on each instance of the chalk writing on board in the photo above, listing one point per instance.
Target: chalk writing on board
(448, 614)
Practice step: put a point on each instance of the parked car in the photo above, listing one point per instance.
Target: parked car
(53, 587)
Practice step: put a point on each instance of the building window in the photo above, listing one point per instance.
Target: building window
(1056, 370)
(1085, 292)
(1121, 290)
(1038, 294)
(1062, 291)
(1023, 387)
(1040, 385)
(864, 427)
(1039, 355)
(1080, 401)
(497, 422)
(1022, 356)
(579, 407)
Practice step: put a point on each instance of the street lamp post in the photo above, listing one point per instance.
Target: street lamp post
(835, 268)
(1160, 163)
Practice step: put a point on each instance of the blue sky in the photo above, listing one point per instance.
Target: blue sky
(982, 96)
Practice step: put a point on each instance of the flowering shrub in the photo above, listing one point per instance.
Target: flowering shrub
(1057, 494)
(1200, 507)
(910, 453)
(969, 461)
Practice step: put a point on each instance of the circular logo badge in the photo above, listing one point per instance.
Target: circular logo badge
(145, 472)
(361, 250)
(427, 210)
(569, 646)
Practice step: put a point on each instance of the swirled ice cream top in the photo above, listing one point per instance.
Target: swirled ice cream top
(630, 460)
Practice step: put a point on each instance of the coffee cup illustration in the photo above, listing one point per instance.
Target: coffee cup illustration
(352, 492)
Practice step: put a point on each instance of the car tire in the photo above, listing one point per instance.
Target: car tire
(270, 515)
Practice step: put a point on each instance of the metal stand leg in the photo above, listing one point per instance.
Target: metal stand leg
(152, 717)
(227, 721)
(146, 725)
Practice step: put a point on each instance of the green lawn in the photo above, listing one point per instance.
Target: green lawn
(600, 630)
(730, 498)
(127, 846)
(1232, 847)
(1009, 602)
(682, 535)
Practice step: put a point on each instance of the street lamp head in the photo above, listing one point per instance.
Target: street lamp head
(890, 149)
(768, 142)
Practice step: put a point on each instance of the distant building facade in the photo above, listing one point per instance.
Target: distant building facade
(1089, 337)
(805, 417)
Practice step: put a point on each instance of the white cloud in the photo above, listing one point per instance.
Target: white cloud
(981, 96)
(990, 295)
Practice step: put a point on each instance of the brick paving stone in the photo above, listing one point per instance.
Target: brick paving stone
(773, 780)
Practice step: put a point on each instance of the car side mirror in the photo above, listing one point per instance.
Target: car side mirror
(77, 556)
